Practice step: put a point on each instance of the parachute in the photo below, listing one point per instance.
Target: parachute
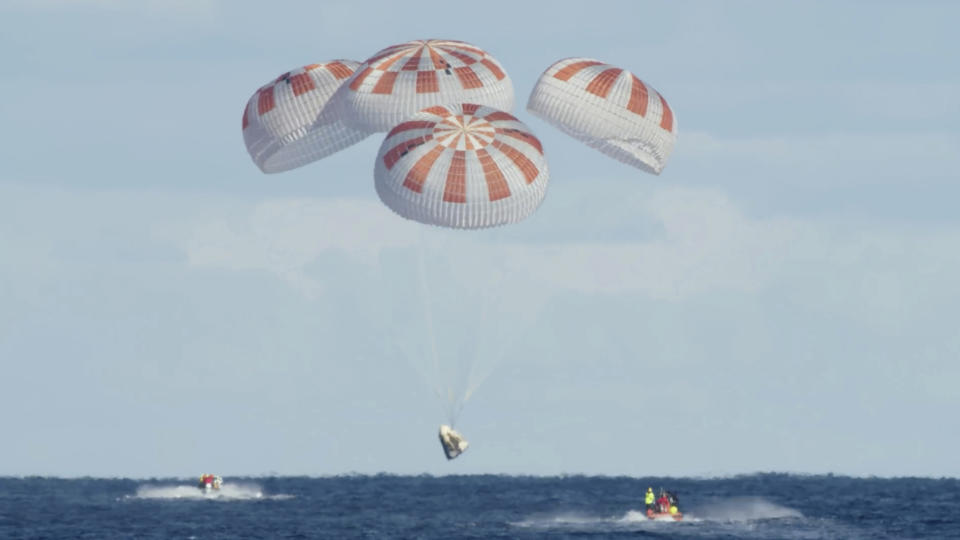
(453, 304)
(403, 79)
(609, 109)
(282, 127)
(461, 166)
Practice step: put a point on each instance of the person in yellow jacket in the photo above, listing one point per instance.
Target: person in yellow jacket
(674, 503)
(648, 499)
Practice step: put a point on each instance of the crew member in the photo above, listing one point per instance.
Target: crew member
(663, 503)
(674, 502)
(648, 499)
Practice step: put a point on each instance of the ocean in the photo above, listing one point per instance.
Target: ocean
(484, 506)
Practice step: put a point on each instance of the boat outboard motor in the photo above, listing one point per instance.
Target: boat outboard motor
(453, 443)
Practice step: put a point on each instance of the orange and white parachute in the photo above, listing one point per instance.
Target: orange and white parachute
(282, 127)
(461, 166)
(609, 109)
(403, 79)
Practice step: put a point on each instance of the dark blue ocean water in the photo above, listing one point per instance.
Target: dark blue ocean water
(385, 506)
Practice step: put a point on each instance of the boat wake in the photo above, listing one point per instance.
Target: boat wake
(229, 492)
(633, 516)
(633, 519)
(735, 509)
(741, 517)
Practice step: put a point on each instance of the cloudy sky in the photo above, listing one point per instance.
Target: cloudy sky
(784, 297)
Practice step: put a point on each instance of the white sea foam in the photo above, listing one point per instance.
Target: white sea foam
(579, 521)
(561, 519)
(727, 511)
(743, 509)
(633, 516)
(228, 492)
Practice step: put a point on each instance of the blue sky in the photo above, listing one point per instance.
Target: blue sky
(782, 298)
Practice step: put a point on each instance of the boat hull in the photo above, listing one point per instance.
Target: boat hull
(664, 516)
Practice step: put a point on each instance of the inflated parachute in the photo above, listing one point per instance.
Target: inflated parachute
(608, 108)
(463, 166)
(282, 124)
(403, 79)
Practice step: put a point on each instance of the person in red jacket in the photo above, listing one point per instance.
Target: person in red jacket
(663, 502)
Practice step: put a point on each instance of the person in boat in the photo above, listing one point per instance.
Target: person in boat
(674, 503)
(663, 503)
(649, 499)
(210, 481)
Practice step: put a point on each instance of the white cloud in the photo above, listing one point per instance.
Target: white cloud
(890, 158)
(868, 102)
(285, 236)
(704, 244)
(175, 8)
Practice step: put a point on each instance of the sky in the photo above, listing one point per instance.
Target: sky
(783, 297)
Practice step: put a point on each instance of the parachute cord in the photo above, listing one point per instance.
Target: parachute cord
(474, 380)
(488, 296)
(382, 314)
(455, 414)
(453, 408)
(428, 318)
(477, 373)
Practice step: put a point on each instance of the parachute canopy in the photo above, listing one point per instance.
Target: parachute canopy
(609, 109)
(463, 166)
(453, 443)
(282, 127)
(403, 79)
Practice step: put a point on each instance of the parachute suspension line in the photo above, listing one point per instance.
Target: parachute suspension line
(381, 314)
(502, 337)
(473, 379)
(428, 318)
